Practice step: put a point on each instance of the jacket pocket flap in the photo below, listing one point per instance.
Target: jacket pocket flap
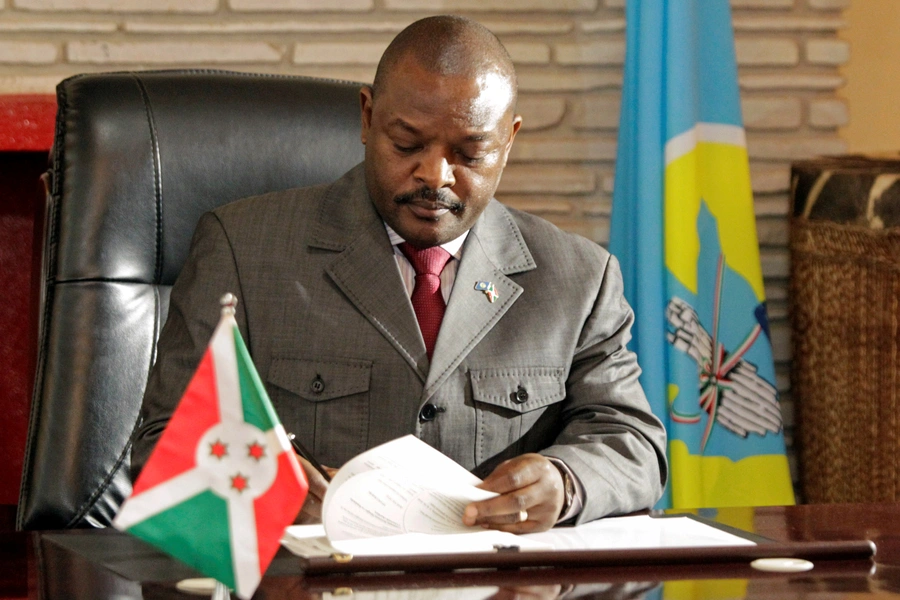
(320, 380)
(519, 390)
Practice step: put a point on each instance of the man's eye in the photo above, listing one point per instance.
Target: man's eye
(406, 149)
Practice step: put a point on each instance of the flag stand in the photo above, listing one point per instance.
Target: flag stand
(221, 592)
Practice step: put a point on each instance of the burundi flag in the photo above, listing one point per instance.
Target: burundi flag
(684, 230)
(222, 483)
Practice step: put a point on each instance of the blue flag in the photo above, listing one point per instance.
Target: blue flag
(684, 231)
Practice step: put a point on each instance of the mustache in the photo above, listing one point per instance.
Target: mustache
(440, 197)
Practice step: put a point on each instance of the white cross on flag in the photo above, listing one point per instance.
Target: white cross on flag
(222, 483)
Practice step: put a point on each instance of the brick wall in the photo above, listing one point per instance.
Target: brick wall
(569, 54)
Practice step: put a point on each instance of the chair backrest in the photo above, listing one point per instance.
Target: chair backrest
(137, 158)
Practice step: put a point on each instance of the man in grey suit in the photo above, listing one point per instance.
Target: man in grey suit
(524, 378)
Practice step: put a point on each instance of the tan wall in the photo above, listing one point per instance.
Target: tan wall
(873, 76)
(569, 55)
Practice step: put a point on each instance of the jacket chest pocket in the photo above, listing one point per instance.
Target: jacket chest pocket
(509, 406)
(325, 403)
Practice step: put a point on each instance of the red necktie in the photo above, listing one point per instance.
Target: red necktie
(427, 300)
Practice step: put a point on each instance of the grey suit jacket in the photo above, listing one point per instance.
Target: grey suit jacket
(333, 335)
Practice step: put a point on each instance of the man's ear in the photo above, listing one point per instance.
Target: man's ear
(366, 94)
(516, 124)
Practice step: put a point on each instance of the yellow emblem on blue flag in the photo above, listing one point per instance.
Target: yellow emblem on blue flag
(684, 230)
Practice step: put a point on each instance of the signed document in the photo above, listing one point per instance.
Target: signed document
(402, 497)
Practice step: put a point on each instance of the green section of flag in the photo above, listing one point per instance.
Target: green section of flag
(196, 532)
(258, 409)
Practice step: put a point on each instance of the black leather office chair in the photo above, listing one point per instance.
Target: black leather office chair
(137, 158)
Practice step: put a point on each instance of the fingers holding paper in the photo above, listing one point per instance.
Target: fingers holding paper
(531, 496)
(312, 507)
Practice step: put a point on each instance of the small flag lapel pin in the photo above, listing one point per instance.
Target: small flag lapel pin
(488, 288)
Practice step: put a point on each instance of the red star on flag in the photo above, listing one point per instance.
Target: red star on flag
(218, 449)
(239, 482)
(256, 451)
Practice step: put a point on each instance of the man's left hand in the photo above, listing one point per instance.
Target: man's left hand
(531, 496)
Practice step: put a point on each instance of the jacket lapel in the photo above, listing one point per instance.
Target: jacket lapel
(493, 250)
(365, 269)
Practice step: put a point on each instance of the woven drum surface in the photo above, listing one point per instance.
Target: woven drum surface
(845, 312)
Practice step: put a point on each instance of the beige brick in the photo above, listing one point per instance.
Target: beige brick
(794, 147)
(772, 231)
(775, 262)
(31, 84)
(768, 180)
(762, 3)
(540, 113)
(32, 26)
(542, 205)
(300, 5)
(528, 53)
(767, 52)
(777, 310)
(596, 112)
(591, 53)
(776, 291)
(547, 179)
(775, 205)
(543, 26)
(600, 207)
(615, 3)
(791, 81)
(530, 149)
(772, 113)
(493, 5)
(828, 113)
(121, 6)
(273, 26)
(338, 53)
(361, 73)
(568, 81)
(596, 230)
(780, 334)
(27, 53)
(782, 23)
(827, 52)
(173, 52)
(608, 183)
(603, 26)
(829, 4)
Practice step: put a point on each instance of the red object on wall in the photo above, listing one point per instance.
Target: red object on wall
(27, 122)
(26, 133)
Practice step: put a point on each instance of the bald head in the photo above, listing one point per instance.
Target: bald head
(449, 46)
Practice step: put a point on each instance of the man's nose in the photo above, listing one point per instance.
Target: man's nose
(435, 171)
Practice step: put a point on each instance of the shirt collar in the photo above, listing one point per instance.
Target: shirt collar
(453, 247)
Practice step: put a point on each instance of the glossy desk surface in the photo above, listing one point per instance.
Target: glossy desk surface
(110, 565)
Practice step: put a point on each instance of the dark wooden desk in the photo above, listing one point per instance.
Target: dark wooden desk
(107, 564)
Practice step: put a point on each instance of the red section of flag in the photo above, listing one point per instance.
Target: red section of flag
(279, 506)
(197, 412)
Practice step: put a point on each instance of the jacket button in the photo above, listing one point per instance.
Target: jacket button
(428, 412)
(520, 395)
(317, 385)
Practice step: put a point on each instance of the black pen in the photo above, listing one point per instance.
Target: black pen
(303, 452)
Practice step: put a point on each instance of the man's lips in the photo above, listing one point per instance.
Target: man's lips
(428, 211)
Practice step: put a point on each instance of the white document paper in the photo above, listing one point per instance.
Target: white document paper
(637, 532)
(403, 486)
(404, 497)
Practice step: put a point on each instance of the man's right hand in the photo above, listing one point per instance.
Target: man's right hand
(312, 508)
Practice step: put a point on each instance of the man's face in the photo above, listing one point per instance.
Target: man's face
(435, 149)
